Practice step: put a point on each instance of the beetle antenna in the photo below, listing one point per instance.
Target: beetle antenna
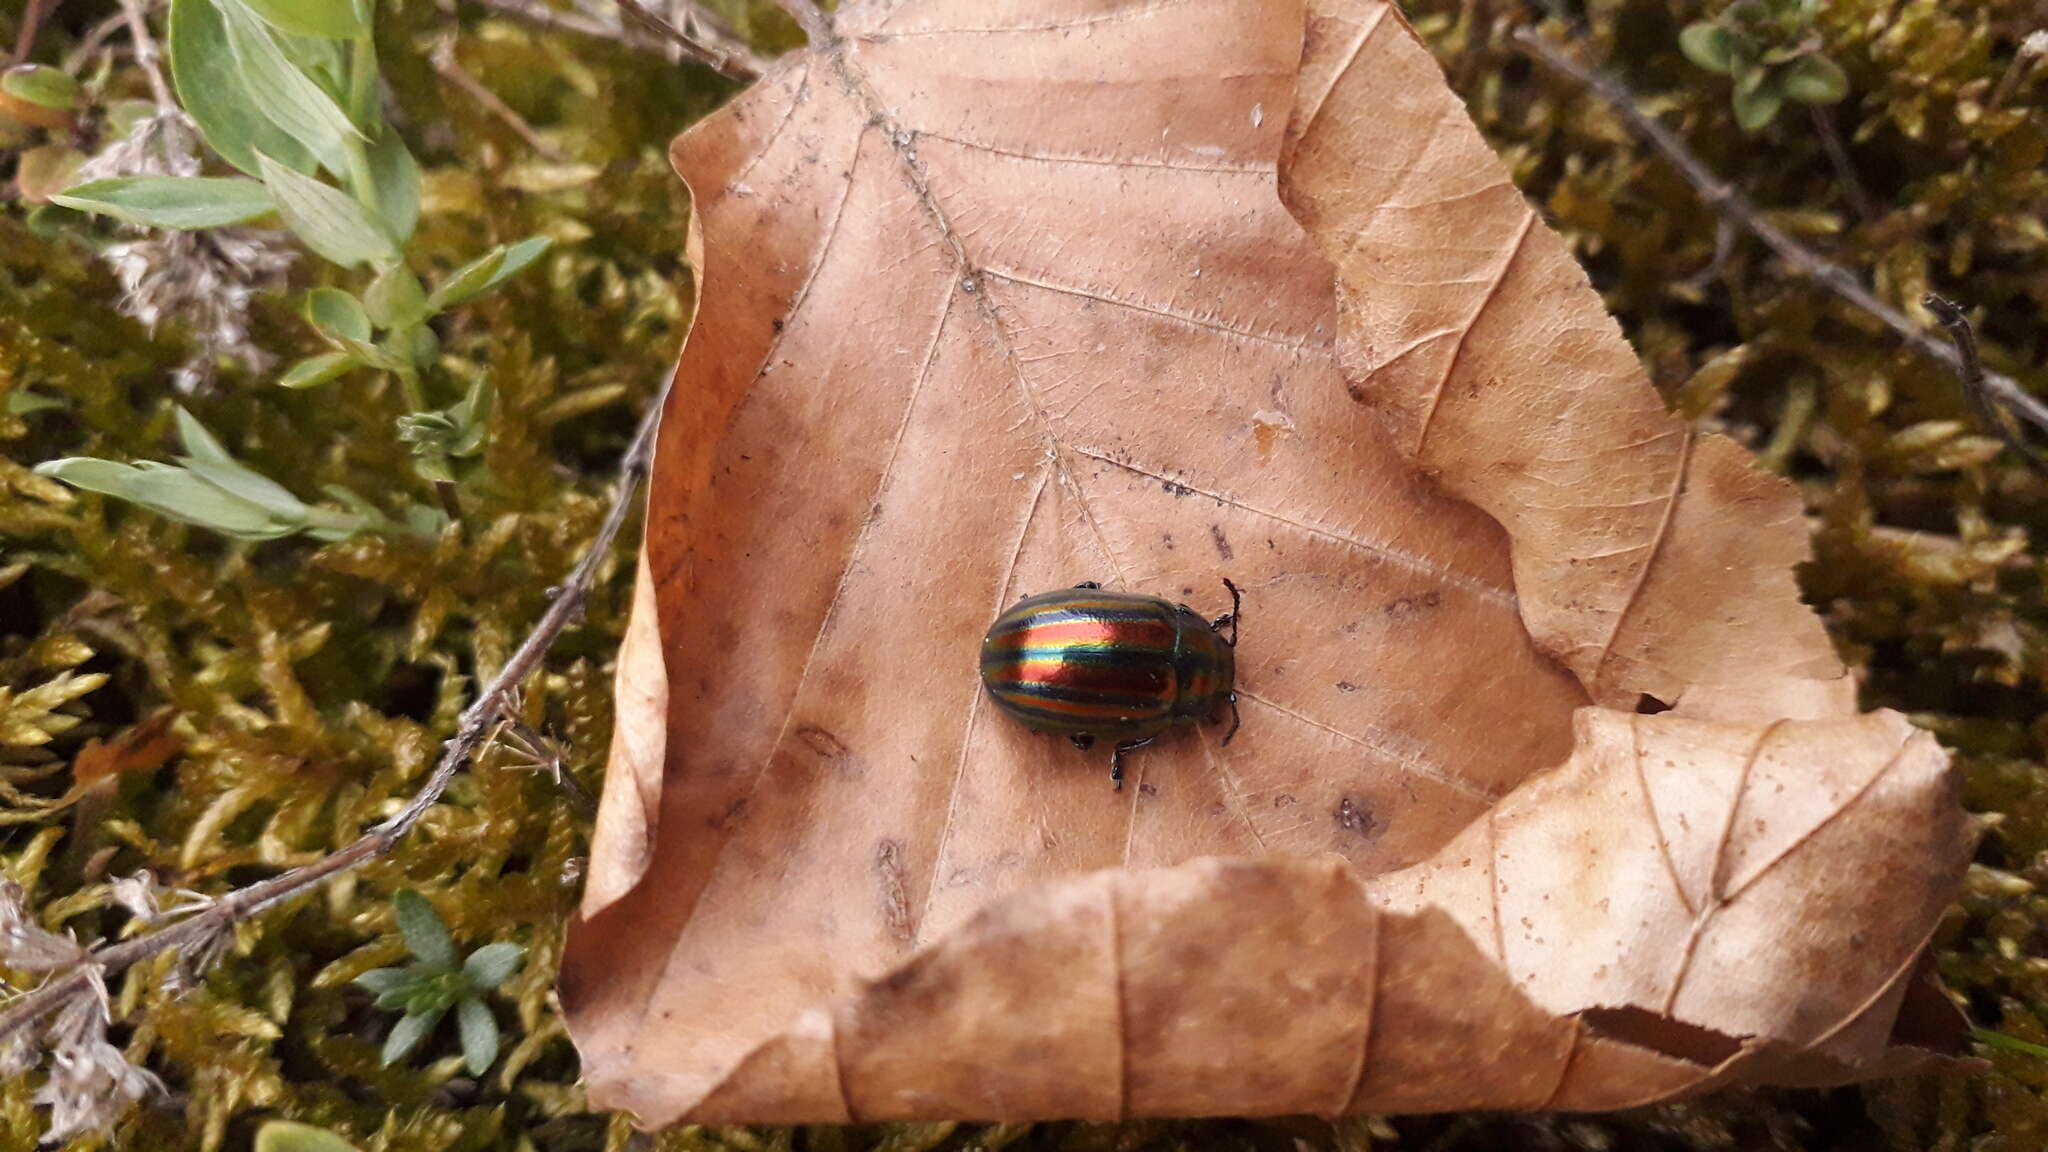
(1235, 720)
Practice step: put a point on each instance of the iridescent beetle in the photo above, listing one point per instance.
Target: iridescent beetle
(1087, 662)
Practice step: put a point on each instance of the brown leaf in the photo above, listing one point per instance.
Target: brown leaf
(1004, 296)
(145, 747)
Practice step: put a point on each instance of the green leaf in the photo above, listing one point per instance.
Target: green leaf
(406, 1035)
(382, 980)
(288, 1136)
(197, 440)
(171, 201)
(490, 965)
(327, 219)
(465, 282)
(1815, 79)
(1757, 105)
(24, 402)
(416, 345)
(2009, 1043)
(479, 1035)
(334, 19)
(289, 97)
(250, 485)
(337, 314)
(426, 934)
(190, 497)
(48, 221)
(211, 90)
(396, 176)
(395, 298)
(41, 85)
(1710, 46)
(172, 492)
(487, 272)
(314, 371)
(426, 996)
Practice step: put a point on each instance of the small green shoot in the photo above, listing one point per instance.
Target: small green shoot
(1772, 51)
(426, 990)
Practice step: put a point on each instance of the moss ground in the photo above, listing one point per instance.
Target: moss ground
(313, 681)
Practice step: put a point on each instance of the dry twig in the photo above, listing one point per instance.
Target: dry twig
(32, 24)
(701, 33)
(2004, 391)
(729, 59)
(1838, 158)
(452, 71)
(208, 928)
(1989, 410)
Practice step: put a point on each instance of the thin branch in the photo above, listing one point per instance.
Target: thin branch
(1838, 158)
(474, 726)
(147, 56)
(451, 70)
(1989, 410)
(93, 41)
(31, 25)
(1733, 205)
(703, 38)
(734, 62)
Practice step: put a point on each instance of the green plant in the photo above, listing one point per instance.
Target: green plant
(426, 990)
(210, 489)
(286, 93)
(1772, 51)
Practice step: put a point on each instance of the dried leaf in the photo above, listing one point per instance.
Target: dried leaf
(145, 747)
(1001, 298)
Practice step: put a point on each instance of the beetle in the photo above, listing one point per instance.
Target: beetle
(1088, 662)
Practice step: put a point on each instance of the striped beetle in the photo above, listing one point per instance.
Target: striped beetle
(1086, 662)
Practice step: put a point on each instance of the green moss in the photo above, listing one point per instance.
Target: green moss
(312, 683)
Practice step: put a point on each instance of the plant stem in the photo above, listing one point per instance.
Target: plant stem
(1733, 205)
(31, 24)
(451, 70)
(472, 729)
(1838, 158)
(362, 91)
(147, 57)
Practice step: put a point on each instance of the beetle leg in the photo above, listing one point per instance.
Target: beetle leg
(1230, 617)
(1089, 584)
(1234, 721)
(1116, 760)
(1083, 740)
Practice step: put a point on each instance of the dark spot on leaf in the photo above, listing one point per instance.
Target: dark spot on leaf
(1356, 816)
(822, 742)
(1222, 543)
(1176, 489)
(1408, 605)
(1346, 686)
(1648, 705)
(895, 893)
